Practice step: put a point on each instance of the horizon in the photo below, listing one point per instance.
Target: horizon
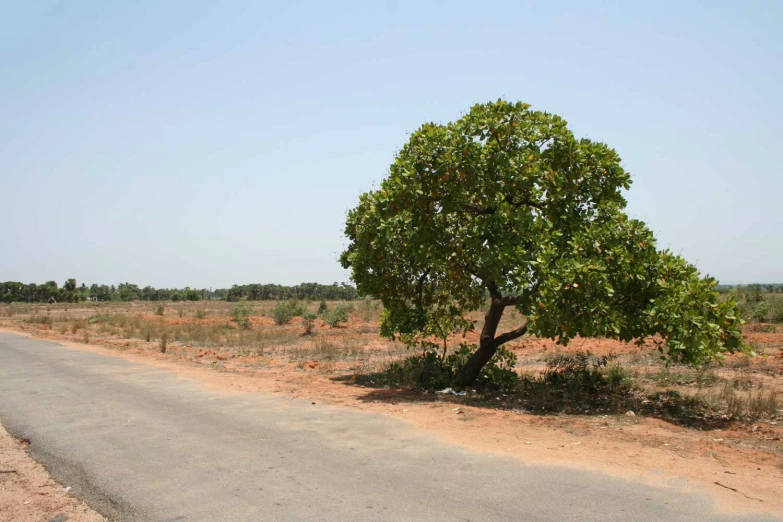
(195, 145)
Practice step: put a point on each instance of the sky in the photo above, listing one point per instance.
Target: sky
(207, 144)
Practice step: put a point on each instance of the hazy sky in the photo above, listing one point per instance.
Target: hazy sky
(210, 143)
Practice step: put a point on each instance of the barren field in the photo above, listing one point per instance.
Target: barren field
(717, 426)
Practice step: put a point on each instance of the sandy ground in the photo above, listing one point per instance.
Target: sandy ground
(28, 493)
(742, 476)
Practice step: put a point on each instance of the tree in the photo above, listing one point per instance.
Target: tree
(68, 293)
(506, 203)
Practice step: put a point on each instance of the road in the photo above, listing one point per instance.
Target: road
(138, 443)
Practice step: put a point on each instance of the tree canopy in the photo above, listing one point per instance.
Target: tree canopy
(507, 203)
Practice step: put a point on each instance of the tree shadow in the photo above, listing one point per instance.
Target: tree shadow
(588, 394)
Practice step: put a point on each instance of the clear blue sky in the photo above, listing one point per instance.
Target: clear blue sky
(210, 143)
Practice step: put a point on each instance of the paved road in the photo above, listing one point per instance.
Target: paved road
(138, 443)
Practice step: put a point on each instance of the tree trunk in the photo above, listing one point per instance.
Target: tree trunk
(489, 342)
(470, 372)
(487, 346)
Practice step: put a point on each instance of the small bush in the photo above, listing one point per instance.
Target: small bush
(339, 314)
(200, 314)
(430, 371)
(760, 312)
(241, 313)
(78, 324)
(160, 309)
(308, 321)
(751, 406)
(322, 307)
(775, 309)
(282, 314)
(287, 310)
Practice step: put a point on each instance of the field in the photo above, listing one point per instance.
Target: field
(619, 409)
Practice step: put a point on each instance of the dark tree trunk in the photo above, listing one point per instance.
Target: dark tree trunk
(489, 342)
(470, 372)
(487, 346)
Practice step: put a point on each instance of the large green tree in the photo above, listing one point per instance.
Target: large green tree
(506, 204)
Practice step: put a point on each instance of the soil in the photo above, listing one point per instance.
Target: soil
(28, 493)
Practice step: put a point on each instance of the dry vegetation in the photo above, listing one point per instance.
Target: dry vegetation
(736, 403)
(740, 389)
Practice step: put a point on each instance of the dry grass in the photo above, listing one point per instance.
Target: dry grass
(742, 388)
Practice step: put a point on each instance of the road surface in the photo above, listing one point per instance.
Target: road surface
(138, 443)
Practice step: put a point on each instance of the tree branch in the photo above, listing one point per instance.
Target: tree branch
(508, 300)
(513, 334)
(523, 203)
(481, 211)
(494, 293)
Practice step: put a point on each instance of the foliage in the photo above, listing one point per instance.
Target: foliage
(760, 312)
(287, 310)
(507, 201)
(430, 371)
(308, 321)
(756, 305)
(160, 309)
(322, 307)
(240, 313)
(339, 314)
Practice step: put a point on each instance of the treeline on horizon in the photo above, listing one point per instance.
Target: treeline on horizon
(755, 287)
(71, 292)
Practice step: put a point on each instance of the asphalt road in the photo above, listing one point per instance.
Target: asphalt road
(139, 443)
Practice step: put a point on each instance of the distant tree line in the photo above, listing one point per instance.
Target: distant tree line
(755, 289)
(70, 292)
(312, 291)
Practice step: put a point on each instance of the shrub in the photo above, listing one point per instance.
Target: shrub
(760, 312)
(241, 313)
(160, 309)
(200, 314)
(775, 309)
(282, 314)
(287, 310)
(339, 314)
(308, 321)
(430, 371)
(322, 307)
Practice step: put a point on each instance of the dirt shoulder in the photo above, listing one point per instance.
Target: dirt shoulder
(731, 463)
(29, 494)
